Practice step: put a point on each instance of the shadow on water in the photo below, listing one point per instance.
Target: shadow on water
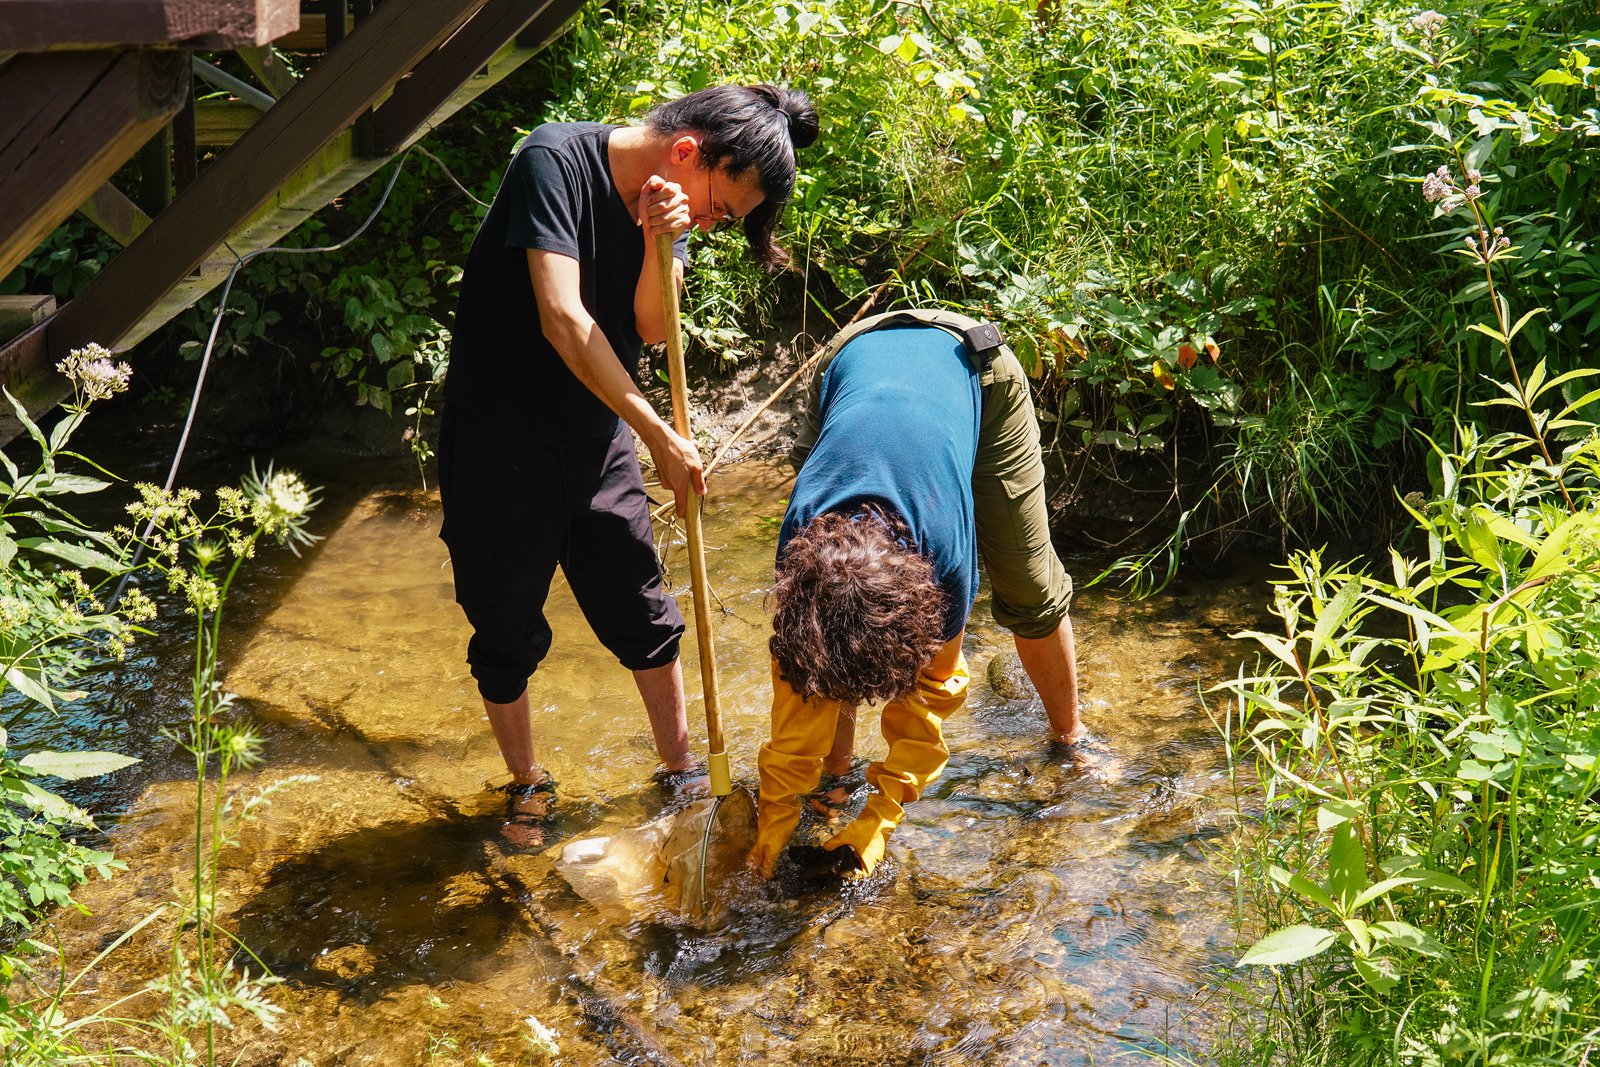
(1028, 912)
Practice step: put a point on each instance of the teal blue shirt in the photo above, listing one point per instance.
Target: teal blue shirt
(900, 409)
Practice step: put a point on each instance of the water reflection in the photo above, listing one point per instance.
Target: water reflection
(1029, 913)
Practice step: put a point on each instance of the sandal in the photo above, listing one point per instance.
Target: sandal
(693, 783)
(528, 813)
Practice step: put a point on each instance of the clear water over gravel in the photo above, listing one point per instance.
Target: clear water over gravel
(1029, 913)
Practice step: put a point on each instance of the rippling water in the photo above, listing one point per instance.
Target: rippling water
(1028, 914)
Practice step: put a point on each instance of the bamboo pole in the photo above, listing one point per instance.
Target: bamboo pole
(721, 780)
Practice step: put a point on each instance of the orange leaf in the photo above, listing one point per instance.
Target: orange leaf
(1186, 356)
(1163, 376)
(1073, 343)
(1213, 351)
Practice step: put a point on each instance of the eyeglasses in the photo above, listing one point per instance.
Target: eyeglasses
(719, 215)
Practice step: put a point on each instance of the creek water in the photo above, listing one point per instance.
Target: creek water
(1028, 913)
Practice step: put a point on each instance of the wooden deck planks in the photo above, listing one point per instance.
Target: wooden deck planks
(133, 306)
(39, 25)
(249, 175)
(99, 113)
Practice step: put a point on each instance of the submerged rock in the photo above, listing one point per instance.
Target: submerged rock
(1008, 679)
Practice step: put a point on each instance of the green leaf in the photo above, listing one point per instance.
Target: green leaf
(1289, 945)
(1551, 554)
(22, 417)
(47, 803)
(56, 484)
(1480, 542)
(1481, 328)
(1337, 812)
(1274, 645)
(1379, 972)
(1555, 76)
(75, 765)
(1332, 617)
(1407, 936)
(30, 687)
(77, 555)
(1299, 883)
(1347, 864)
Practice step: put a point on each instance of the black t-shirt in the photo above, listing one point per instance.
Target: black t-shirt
(557, 196)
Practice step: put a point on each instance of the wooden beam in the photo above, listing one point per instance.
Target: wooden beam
(336, 19)
(222, 122)
(112, 211)
(71, 119)
(25, 362)
(438, 77)
(38, 25)
(246, 178)
(25, 370)
(18, 313)
(337, 168)
(312, 36)
(268, 66)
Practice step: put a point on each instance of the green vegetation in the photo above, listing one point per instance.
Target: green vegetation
(1327, 262)
(53, 628)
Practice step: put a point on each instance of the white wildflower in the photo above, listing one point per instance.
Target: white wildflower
(1428, 23)
(93, 374)
(541, 1037)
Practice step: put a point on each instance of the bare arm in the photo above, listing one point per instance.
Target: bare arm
(584, 349)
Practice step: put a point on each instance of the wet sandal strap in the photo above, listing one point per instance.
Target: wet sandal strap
(518, 790)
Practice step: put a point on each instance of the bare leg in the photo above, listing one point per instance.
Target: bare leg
(513, 732)
(1052, 665)
(661, 688)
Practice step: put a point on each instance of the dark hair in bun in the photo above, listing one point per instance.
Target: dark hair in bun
(744, 128)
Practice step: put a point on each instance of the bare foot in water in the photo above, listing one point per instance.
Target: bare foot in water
(1089, 755)
(692, 783)
(528, 807)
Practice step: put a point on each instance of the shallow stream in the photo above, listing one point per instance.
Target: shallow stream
(1029, 913)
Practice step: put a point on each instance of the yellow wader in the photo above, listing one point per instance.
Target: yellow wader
(802, 733)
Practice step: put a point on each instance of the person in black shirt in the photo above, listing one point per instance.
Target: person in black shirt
(536, 459)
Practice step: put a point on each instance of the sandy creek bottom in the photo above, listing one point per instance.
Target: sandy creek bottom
(1028, 913)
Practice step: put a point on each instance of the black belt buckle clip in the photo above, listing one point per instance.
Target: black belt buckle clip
(981, 340)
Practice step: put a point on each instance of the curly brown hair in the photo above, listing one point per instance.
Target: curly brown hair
(856, 610)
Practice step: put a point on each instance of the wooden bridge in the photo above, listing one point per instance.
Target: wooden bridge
(86, 84)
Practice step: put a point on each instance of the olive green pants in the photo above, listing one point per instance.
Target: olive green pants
(1031, 591)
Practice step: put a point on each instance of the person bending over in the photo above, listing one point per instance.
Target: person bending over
(920, 449)
(536, 457)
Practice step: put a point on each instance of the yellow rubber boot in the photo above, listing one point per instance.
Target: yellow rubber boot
(790, 766)
(913, 726)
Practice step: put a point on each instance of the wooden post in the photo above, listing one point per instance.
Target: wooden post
(334, 13)
(185, 159)
(155, 172)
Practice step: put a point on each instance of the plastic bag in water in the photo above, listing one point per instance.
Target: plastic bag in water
(652, 873)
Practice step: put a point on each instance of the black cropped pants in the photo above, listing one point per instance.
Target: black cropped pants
(515, 508)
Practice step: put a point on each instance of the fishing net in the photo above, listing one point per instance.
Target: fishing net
(653, 872)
